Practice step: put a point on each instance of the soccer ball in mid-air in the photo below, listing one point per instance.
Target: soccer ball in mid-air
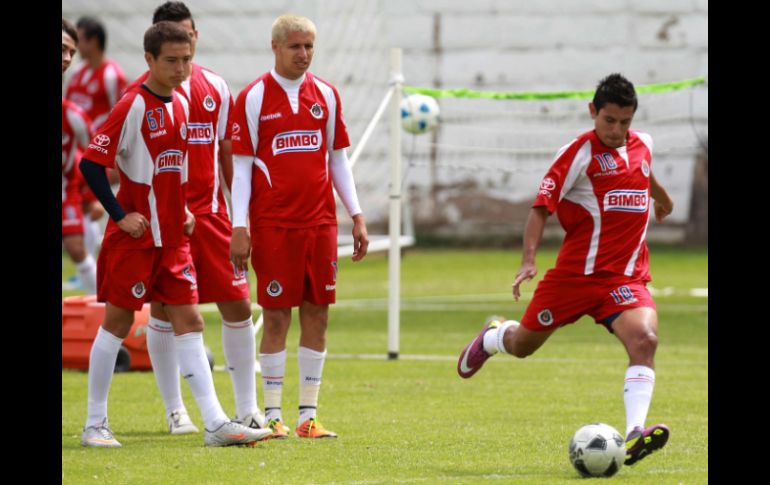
(419, 113)
(597, 450)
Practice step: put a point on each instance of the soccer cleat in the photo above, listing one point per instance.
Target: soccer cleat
(311, 428)
(99, 436)
(473, 355)
(279, 430)
(179, 422)
(643, 441)
(254, 420)
(232, 433)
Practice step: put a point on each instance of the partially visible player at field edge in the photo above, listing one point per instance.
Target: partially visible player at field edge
(144, 256)
(600, 184)
(289, 141)
(76, 131)
(219, 281)
(95, 85)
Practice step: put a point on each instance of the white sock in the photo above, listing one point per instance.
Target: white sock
(311, 366)
(273, 369)
(195, 369)
(637, 394)
(101, 365)
(240, 358)
(160, 346)
(493, 339)
(87, 272)
(92, 234)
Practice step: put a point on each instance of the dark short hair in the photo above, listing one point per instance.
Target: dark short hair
(69, 29)
(163, 32)
(93, 27)
(617, 90)
(173, 12)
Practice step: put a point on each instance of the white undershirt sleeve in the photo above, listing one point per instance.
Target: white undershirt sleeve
(241, 189)
(342, 178)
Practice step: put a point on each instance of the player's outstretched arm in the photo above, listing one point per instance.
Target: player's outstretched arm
(533, 234)
(663, 204)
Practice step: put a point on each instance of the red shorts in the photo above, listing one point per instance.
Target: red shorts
(71, 218)
(129, 277)
(562, 298)
(294, 265)
(218, 280)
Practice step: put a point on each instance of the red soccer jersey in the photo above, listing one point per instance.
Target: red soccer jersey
(96, 90)
(210, 107)
(145, 139)
(602, 198)
(291, 185)
(75, 134)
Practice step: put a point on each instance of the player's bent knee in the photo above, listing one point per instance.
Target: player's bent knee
(644, 345)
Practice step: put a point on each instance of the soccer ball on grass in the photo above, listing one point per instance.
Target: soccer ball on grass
(597, 450)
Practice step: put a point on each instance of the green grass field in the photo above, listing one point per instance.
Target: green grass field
(416, 421)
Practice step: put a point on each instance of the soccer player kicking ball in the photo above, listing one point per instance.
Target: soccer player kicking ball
(600, 184)
(143, 256)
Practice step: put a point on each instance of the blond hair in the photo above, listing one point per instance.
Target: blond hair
(287, 23)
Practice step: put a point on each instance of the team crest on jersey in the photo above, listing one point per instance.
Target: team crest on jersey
(317, 111)
(626, 201)
(189, 276)
(93, 87)
(209, 104)
(545, 317)
(645, 168)
(274, 288)
(297, 141)
(138, 290)
(183, 131)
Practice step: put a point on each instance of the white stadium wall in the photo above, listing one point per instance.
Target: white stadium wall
(477, 174)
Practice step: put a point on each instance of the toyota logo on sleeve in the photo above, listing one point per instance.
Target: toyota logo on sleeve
(102, 140)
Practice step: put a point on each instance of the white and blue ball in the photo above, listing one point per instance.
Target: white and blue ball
(419, 113)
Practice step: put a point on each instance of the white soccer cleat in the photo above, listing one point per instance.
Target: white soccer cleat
(254, 420)
(179, 422)
(232, 433)
(99, 436)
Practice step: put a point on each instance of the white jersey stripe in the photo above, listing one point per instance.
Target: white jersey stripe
(253, 112)
(215, 168)
(577, 188)
(263, 167)
(632, 262)
(154, 225)
(138, 167)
